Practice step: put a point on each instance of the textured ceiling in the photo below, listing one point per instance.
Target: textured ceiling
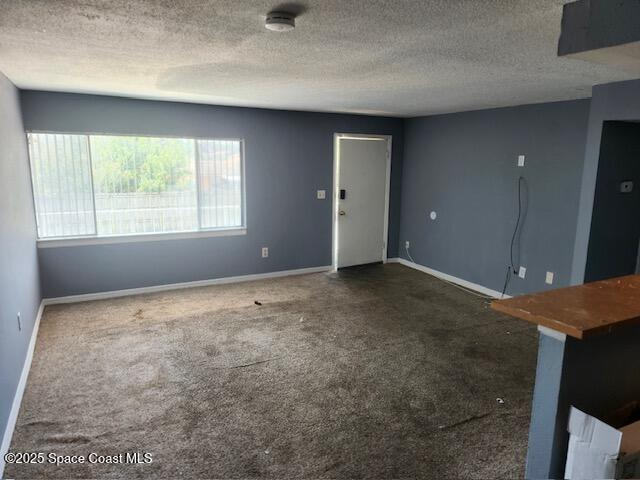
(396, 57)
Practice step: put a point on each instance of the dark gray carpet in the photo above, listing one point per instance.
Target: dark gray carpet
(376, 372)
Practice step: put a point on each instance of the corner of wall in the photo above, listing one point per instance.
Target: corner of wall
(20, 289)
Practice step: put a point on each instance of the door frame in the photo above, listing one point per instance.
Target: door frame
(336, 191)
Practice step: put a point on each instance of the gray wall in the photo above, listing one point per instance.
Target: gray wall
(463, 166)
(289, 155)
(615, 224)
(19, 282)
(614, 101)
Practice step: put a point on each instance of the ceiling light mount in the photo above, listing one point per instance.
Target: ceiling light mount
(280, 21)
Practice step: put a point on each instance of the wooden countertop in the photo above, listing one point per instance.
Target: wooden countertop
(581, 311)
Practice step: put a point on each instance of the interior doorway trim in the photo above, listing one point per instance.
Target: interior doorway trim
(336, 190)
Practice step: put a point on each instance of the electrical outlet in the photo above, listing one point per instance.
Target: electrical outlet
(265, 252)
(407, 244)
(522, 272)
(549, 279)
(521, 159)
(322, 194)
(19, 322)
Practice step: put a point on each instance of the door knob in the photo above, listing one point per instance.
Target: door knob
(342, 213)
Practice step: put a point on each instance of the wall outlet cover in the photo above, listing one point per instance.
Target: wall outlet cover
(407, 244)
(549, 279)
(522, 272)
(521, 159)
(433, 215)
(265, 252)
(322, 194)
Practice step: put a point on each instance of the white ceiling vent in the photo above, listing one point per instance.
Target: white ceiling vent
(280, 21)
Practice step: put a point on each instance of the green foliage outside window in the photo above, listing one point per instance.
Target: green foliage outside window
(142, 164)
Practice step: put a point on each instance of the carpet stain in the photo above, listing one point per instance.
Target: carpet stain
(373, 372)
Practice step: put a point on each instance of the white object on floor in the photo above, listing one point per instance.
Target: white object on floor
(598, 450)
(593, 447)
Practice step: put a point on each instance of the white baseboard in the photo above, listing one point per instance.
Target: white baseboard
(22, 383)
(177, 286)
(449, 278)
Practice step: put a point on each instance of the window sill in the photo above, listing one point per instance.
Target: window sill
(145, 237)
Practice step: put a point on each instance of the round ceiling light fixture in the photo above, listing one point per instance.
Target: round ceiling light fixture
(280, 21)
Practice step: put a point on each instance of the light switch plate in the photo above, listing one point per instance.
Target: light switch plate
(322, 194)
(522, 272)
(521, 160)
(549, 279)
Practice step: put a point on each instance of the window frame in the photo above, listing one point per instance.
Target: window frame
(96, 239)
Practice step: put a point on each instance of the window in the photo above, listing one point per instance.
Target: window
(107, 185)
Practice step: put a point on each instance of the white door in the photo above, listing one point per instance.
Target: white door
(362, 200)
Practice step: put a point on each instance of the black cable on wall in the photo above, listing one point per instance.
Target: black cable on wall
(511, 269)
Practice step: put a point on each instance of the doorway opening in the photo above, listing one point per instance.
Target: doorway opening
(615, 225)
(361, 184)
